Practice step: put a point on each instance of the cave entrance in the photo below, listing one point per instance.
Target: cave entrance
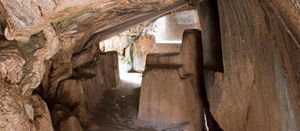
(119, 108)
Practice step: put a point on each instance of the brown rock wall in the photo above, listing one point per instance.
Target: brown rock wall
(146, 45)
(170, 91)
(257, 90)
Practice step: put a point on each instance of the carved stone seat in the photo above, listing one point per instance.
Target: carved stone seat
(169, 92)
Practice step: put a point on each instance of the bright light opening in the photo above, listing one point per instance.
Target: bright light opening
(169, 29)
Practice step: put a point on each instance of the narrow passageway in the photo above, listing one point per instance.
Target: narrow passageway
(119, 107)
(205, 65)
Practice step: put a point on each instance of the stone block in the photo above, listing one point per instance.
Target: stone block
(170, 87)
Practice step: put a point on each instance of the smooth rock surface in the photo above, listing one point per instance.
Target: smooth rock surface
(146, 45)
(259, 86)
(170, 91)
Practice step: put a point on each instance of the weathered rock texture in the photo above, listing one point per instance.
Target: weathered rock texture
(145, 45)
(212, 49)
(161, 36)
(134, 44)
(41, 42)
(80, 94)
(71, 124)
(163, 28)
(50, 44)
(116, 43)
(41, 114)
(259, 89)
(170, 86)
(19, 73)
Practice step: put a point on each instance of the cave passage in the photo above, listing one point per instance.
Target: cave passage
(118, 109)
(149, 65)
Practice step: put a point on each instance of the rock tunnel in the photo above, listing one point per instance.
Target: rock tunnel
(204, 65)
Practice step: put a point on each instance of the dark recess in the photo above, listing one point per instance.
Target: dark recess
(212, 52)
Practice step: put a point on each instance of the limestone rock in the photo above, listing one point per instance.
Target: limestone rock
(58, 113)
(84, 58)
(12, 113)
(24, 19)
(169, 100)
(82, 94)
(42, 119)
(109, 45)
(70, 93)
(257, 90)
(211, 36)
(146, 45)
(82, 114)
(111, 68)
(253, 85)
(57, 30)
(107, 76)
(70, 124)
(11, 65)
(170, 88)
(163, 59)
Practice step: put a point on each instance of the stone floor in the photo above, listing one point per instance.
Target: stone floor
(118, 112)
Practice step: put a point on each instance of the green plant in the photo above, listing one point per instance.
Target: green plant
(126, 61)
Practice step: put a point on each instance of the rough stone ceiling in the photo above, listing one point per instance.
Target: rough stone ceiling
(28, 17)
